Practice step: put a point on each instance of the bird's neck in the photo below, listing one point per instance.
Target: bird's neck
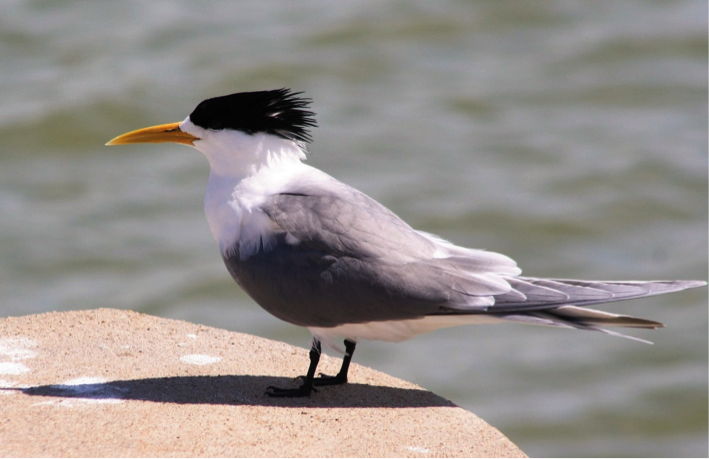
(238, 156)
(244, 171)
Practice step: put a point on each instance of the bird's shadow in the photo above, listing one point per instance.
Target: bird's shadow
(238, 390)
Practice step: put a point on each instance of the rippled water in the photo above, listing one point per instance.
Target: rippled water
(571, 136)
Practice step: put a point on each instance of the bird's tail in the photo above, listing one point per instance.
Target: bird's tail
(569, 314)
(582, 319)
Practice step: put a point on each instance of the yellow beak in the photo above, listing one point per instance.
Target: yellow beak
(156, 134)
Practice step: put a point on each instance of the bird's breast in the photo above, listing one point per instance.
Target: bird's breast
(224, 213)
(236, 219)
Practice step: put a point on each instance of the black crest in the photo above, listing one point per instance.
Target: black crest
(279, 112)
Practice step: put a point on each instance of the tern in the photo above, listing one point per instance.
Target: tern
(320, 254)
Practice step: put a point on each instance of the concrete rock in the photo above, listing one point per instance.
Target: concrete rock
(118, 383)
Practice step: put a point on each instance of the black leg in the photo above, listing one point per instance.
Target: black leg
(307, 387)
(341, 378)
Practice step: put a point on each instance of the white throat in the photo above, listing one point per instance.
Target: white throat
(245, 169)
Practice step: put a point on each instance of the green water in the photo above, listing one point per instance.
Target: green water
(571, 136)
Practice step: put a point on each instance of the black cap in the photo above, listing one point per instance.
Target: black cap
(279, 112)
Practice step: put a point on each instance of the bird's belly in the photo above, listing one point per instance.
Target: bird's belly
(397, 330)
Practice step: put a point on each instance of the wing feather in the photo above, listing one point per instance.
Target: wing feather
(338, 257)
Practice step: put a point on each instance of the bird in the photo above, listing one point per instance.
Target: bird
(320, 254)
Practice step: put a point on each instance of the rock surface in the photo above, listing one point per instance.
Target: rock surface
(118, 383)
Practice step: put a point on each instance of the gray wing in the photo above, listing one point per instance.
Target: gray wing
(346, 224)
(341, 257)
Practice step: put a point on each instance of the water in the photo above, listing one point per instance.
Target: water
(571, 136)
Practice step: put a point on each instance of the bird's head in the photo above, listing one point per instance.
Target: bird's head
(219, 125)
